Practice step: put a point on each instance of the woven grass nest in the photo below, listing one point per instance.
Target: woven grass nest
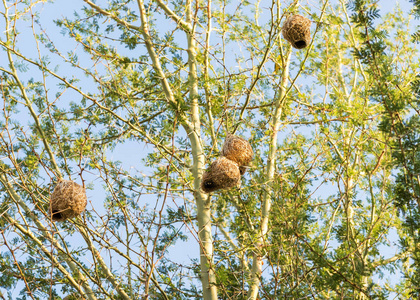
(238, 150)
(68, 200)
(222, 174)
(297, 30)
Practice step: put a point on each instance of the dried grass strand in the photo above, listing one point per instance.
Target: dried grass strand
(297, 30)
(222, 174)
(238, 150)
(68, 200)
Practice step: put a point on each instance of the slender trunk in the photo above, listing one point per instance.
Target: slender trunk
(208, 278)
(266, 201)
(192, 127)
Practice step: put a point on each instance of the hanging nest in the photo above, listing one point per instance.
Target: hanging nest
(239, 150)
(297, 30)
(68, 200)
(222, 174)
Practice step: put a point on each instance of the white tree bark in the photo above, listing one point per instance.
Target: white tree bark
(266, 201)
(192, 127)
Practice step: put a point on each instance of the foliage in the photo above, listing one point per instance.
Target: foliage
(133, 100)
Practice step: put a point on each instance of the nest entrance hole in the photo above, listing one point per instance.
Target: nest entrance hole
(56, 215)
(209, 184)
(300, 44)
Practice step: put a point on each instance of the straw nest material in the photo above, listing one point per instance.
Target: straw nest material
(68, 200)
(222, 174)
(238, 150)
(297, 30)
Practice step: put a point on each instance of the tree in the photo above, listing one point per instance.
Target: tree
(133, 101)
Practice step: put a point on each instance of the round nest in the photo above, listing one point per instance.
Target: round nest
(222, 174)
(239, 150)
(68, 200)
(297, 30)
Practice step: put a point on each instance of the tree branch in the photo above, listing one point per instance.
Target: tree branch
(170, 13)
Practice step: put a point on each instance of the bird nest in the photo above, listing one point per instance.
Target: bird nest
(238, 150)
(68, 200)
(297, 30)
(222, 174)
